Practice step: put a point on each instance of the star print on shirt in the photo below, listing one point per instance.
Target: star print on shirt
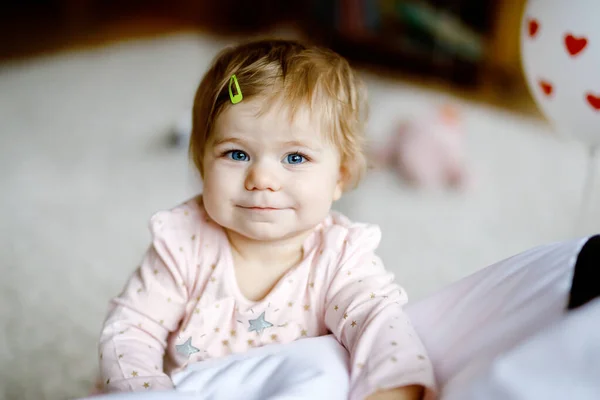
(259, 324)
(187, 349)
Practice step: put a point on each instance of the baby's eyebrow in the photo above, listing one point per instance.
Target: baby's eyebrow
(308, 143)
(289, 143)
(298, 143)
(228, 140)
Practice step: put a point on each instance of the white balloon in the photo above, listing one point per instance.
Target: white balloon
(560, 51)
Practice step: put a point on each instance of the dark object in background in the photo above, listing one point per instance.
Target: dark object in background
(440, 38)
(586, 277)
(445, 39)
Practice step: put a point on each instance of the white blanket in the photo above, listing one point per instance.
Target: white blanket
(505, 334)
(313, 368)
(560, 362)
(468, 325)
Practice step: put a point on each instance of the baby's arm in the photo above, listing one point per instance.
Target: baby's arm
(134, 335)
(364, 311)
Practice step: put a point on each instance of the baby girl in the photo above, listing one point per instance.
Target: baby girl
(259, 258)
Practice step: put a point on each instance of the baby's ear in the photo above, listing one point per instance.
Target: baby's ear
(342, 182)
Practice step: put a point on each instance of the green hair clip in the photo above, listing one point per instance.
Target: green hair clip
(235, 98)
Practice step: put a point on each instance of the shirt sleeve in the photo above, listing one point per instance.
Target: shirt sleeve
(364, 310)
(134, 336)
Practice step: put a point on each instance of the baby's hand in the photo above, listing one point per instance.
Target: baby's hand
(404, 393)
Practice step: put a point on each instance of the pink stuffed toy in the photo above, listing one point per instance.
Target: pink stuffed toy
(428, 152)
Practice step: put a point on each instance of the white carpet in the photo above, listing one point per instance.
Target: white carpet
(84, 164)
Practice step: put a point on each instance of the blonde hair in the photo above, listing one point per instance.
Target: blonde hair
(298, 74)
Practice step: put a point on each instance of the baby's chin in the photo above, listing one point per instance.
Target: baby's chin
(269, 232)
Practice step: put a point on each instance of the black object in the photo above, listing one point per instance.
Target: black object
(586, 278)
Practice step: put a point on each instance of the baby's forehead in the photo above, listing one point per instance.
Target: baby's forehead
(300, 123)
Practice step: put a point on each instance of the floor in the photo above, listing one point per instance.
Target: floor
(85, 163)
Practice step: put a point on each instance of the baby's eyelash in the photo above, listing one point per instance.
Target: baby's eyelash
(227, 151)
(301, 154)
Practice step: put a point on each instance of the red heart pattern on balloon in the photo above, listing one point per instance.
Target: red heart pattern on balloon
(593, 101)
(533, 26)
(546, 87)
(575, 45)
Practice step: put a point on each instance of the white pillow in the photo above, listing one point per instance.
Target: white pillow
(467, 325)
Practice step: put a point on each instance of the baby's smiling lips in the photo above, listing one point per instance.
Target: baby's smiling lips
(261, 208)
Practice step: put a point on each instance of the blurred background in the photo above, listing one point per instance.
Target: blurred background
(92, 92)
(464, 42)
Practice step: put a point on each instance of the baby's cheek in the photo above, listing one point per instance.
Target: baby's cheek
(223, 181)
(313, 187)
(314, 198)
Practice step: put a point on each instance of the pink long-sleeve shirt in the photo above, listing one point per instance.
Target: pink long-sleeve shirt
(183, 302)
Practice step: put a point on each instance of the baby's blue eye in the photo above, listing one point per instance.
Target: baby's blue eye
(238, 155)
(295, 158)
